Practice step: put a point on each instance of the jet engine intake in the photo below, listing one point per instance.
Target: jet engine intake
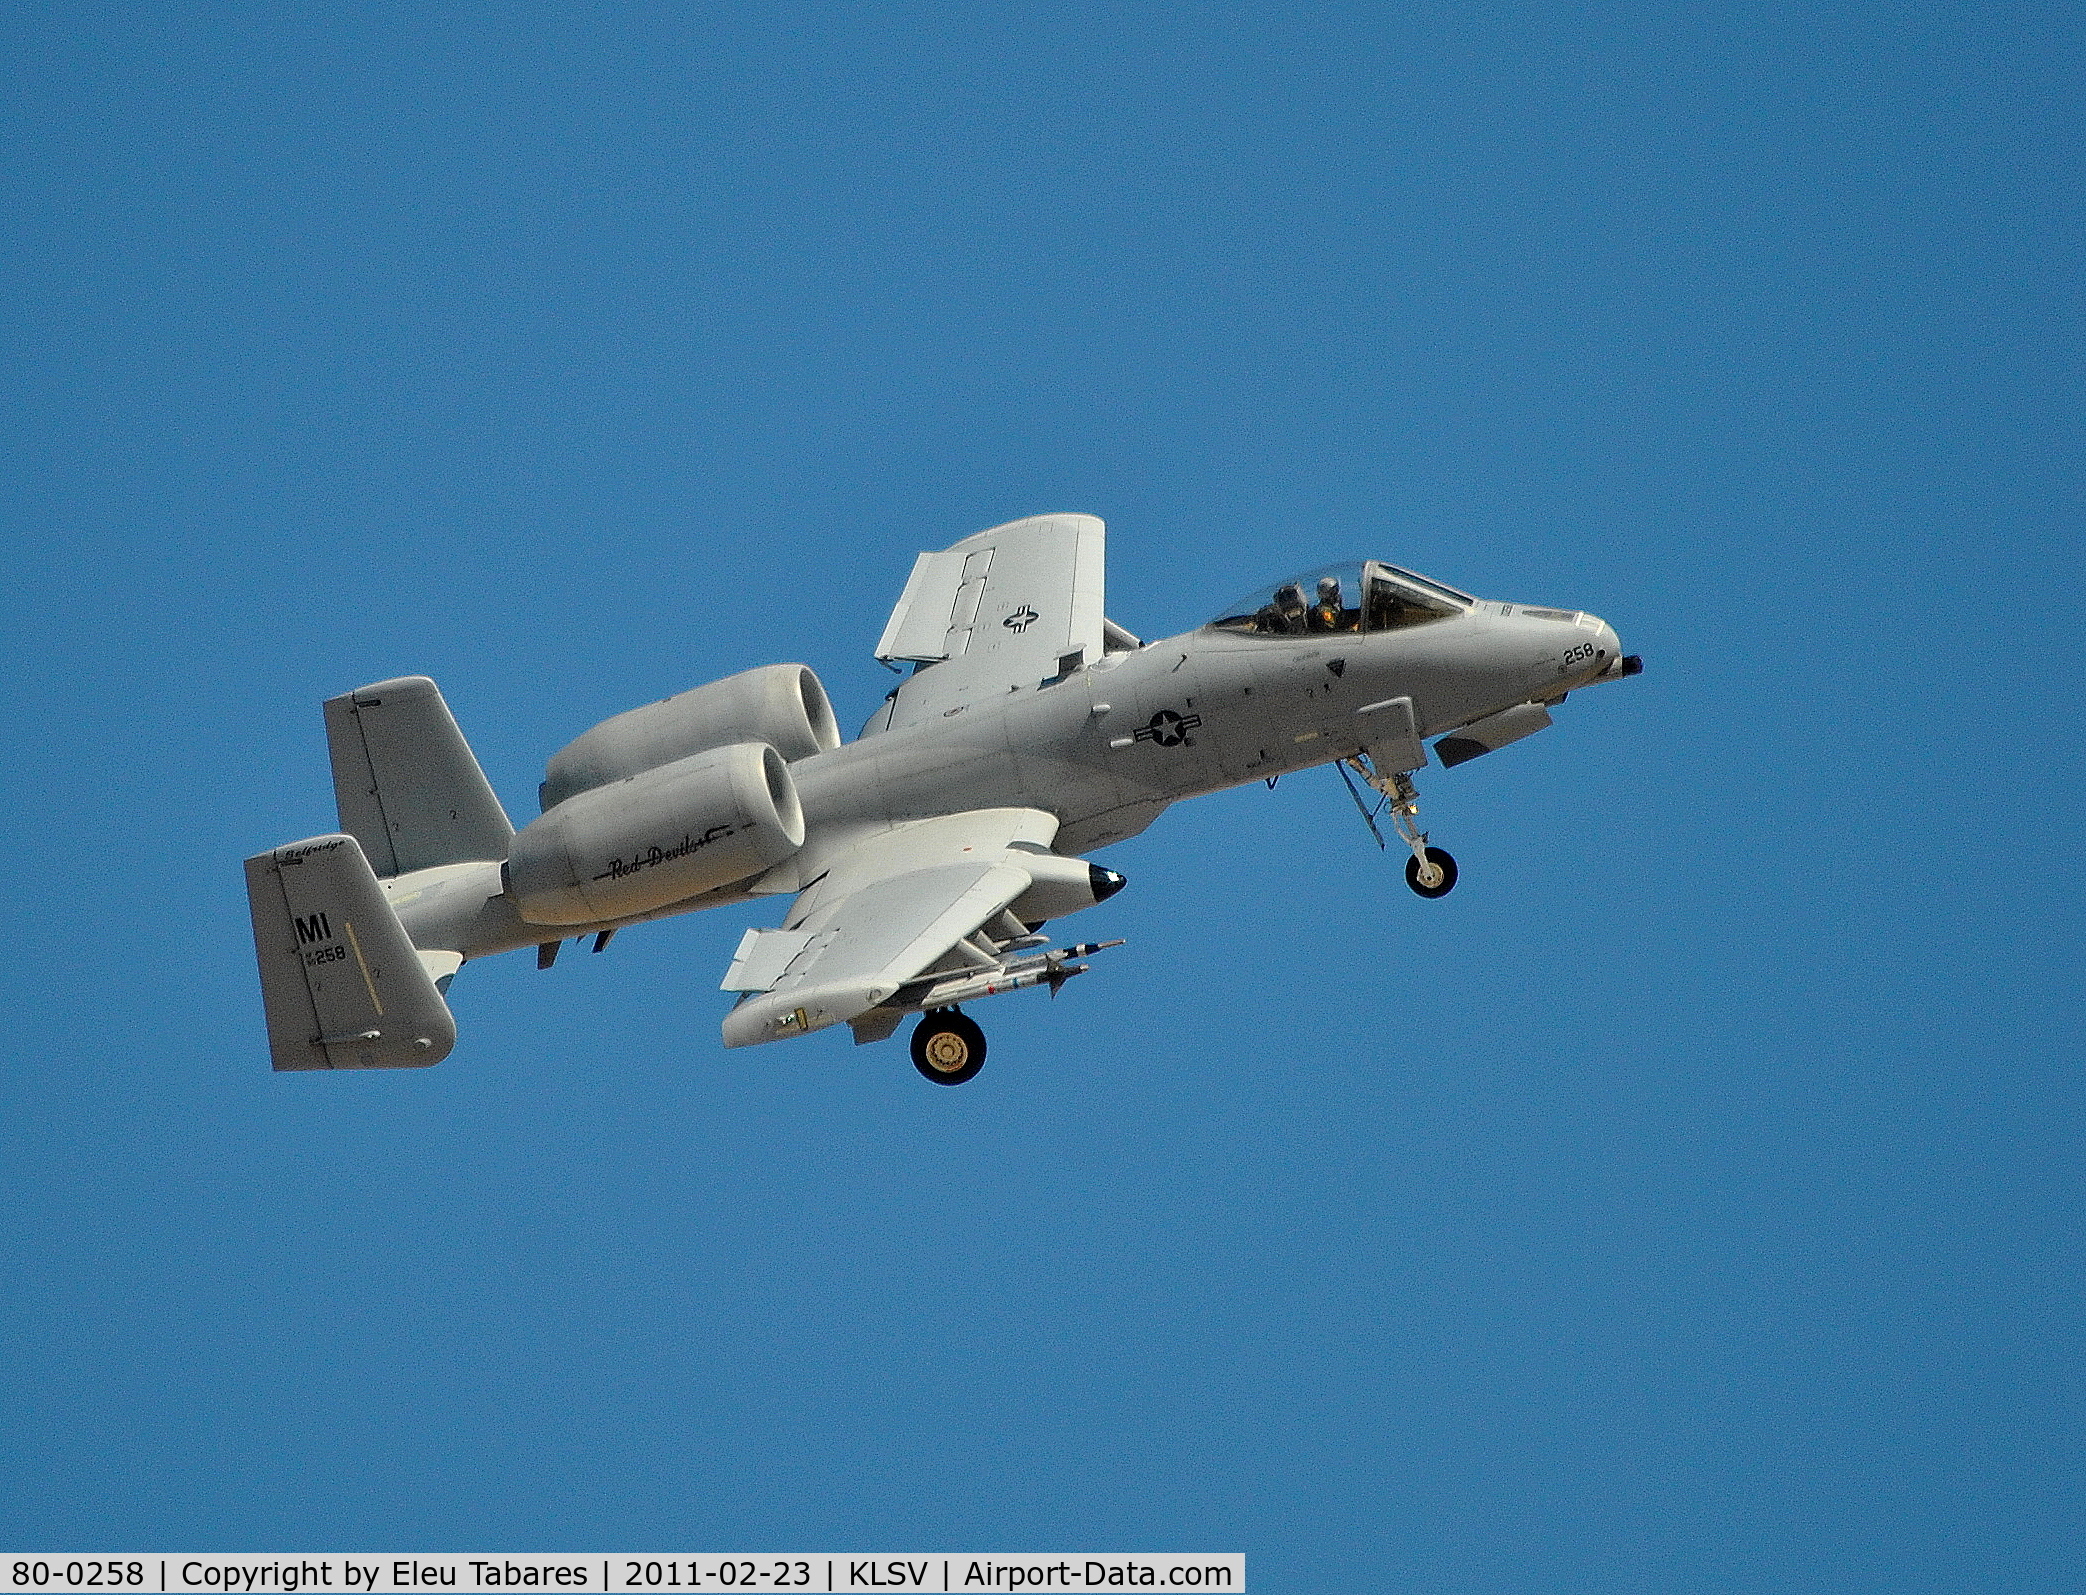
(1060, 886)
(657, 837)
(781, 705)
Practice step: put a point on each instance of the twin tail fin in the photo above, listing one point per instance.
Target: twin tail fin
(342, 984)
(408, 786)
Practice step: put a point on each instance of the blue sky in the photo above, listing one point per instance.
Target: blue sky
(1689, 1203)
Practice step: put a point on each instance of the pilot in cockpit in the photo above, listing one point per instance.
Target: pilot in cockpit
(1285, 616)
(1325, 614)
(1365, 597)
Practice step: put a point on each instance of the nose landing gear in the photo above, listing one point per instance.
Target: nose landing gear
(1430, 871)
(948, 1047)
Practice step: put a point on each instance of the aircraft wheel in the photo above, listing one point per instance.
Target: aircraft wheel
(948, 1048)
(1442, 862)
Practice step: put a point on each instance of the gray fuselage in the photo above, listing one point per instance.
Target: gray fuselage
(1108, 747)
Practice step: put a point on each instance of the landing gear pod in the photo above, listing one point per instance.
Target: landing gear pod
(1491, 733)
(1062, 886)
(672, 833)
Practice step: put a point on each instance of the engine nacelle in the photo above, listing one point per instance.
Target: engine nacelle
(657, 837)
(781, 705)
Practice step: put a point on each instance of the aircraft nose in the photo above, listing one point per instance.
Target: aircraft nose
(1614, 662)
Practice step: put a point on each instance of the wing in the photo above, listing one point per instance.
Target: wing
(1005, 609)
(891, 909)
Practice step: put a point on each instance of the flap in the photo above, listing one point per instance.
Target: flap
(762, 958)
(935, 611)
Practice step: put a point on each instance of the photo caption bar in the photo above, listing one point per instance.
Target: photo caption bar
(614, 1572)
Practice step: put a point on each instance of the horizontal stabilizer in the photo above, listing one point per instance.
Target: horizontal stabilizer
(342, 984)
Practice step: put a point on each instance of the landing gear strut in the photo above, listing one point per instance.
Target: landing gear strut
(948, 1047)
(1430, 871)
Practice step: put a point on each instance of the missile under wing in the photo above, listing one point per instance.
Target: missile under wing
(884, 913)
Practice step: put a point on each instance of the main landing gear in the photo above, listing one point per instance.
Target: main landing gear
(1430, 871)
(948, 1047)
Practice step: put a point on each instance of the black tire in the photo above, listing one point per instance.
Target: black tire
(1440, 861)
(948, 1048)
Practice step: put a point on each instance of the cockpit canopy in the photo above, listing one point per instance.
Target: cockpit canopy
(1360, 596)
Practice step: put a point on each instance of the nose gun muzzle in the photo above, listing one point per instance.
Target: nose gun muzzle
(1620, 666)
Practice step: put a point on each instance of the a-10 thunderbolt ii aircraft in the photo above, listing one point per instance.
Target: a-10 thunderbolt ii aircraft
(920, 861)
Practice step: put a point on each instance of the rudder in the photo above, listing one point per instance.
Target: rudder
(408, 786)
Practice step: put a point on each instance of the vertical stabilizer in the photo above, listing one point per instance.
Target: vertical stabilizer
(408, 786)
(341, 983)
